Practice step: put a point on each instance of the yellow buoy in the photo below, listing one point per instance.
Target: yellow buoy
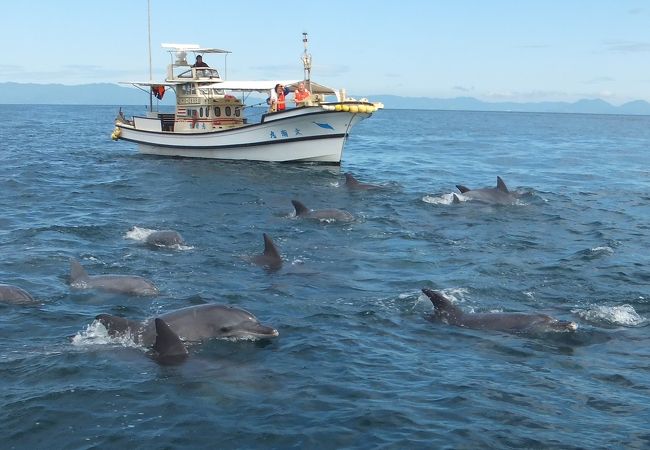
(338, 107)
(345, 108)
(354, 108)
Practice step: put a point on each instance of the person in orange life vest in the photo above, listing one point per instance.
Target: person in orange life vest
(277, 100)
(301, 95)
(199, 62)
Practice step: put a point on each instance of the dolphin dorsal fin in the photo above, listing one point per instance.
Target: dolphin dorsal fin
(441, 303)
(168, 346)
(77, 272)
(462, 188)
(269, 247)
(501, 185)
(455, 199)
(350, 180)
(300, 208)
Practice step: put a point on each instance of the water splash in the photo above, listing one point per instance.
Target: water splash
(622, 315)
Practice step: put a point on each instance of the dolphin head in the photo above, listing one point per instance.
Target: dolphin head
(239, 323)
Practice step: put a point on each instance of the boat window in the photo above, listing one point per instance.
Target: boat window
(228, 110)
(201, 111)
(217, 111)
(237, 112)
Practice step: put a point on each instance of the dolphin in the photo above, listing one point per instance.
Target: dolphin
(15, 295)
(167, 333)
(446, 311)
(340, 215)
(165, 238)
(122, 284)
(353, 183)
(271, 258)
(499, 195)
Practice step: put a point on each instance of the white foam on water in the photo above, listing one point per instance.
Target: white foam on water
(623, 315)
(444, 199)
(97, 334)
(138, 234)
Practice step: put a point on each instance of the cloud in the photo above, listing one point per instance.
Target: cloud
(598, 80)
(463, 88)
(627, 47)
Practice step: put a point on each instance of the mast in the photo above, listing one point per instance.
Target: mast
(306, 62)
(150, 69)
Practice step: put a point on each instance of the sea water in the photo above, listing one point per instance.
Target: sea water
(358, 363)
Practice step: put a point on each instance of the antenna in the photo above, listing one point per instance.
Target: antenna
(150, 70)
(306, 62)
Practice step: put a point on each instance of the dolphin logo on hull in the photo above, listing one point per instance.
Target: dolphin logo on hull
(121, 284)
(446, 311)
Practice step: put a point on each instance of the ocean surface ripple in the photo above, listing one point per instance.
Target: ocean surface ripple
(358, 363)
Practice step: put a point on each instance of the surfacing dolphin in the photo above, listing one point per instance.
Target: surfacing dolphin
(499, 195)
(122, 284)
(446, 311)
(167, 333)
(340, 215)
(270, 258)
(15, 295)
(354, 184)
(165, 238)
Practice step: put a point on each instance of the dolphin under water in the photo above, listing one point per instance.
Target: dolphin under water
(354, 184)
(165, 238)
(499, 195)
(446, 311)
(340, 215)
(270, 258)
(122, 284)
(167, 333)
(15, 295)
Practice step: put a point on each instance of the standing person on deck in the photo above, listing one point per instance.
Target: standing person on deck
(199, 62)
(301, 95)
(277, 100)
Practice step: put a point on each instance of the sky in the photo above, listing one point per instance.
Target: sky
(497, 50)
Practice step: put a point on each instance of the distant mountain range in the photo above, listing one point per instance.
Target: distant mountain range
(113, 94)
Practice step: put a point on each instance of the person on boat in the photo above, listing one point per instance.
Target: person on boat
(277, 100)
(199, 62)
(301, 95)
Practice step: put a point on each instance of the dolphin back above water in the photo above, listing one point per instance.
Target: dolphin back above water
(446, 311)
(354, 184)
(15, 295)
(340, 215)
(499, 195)
(165, 238)
(122, 284)
(167, 333)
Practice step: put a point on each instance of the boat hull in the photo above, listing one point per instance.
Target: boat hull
(303, 134)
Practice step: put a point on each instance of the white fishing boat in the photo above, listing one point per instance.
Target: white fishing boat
(210, 118)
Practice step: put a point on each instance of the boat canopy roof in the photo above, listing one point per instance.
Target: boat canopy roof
(192, 48)
(268, 85)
